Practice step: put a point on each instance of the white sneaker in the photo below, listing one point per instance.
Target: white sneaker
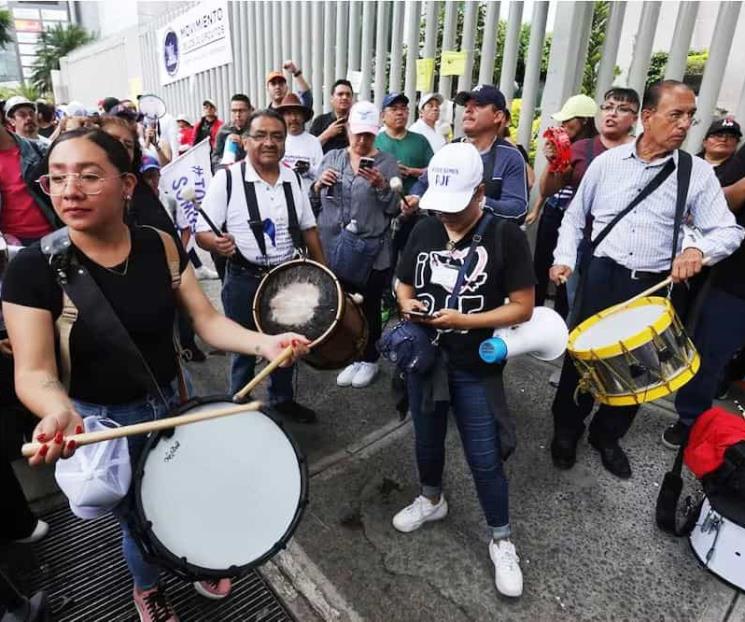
(344, 379)
(206, 274)
(421, 511)
(37, 534)
(508, 576)
(366, 372)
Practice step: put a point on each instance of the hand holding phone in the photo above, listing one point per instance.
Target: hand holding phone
(367, 162)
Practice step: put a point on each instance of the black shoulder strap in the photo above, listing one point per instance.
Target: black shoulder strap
(229, 182)
(463, 272)
(667, 500)
(685, 165)
(590, 151)
(293, 224)
(648, 189)
(254, 218)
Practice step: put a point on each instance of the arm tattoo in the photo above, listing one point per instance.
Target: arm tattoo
(50, 382)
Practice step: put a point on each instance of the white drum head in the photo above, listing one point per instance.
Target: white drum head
(221, 493)
(618, 326)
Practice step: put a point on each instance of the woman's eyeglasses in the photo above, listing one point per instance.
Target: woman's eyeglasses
(88, 183)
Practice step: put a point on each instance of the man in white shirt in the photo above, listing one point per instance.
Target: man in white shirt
(426, 125)
(303, 151)
(252, 251)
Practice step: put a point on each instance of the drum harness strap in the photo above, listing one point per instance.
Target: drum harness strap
(685, 164)
(257, 224)
(81, 294)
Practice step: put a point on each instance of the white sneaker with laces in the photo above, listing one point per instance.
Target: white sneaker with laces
(422, 511)
(366, 372)
(206, 274)
(344, 379)
(507, 573)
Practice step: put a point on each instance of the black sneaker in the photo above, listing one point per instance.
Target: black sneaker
(675, 435)
(296, 412)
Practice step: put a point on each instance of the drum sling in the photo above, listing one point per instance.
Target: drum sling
(683, 177)
(81, 294)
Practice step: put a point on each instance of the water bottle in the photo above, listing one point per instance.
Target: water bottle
(230, 152)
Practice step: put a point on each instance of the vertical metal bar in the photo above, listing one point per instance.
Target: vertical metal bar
(316, 71)
(297, 29)
(368, 26)
(381, 39)
(721, 42)
(261, 98)
(286, 53)
(397, 36)
(248, 60)
(470, 14)
(342, 39)
(678, 58)
(489, 43)
(610, 49)
(353, 53)
(266, 24)
(448, 43)
(412, 53)
(584, 42)
(430, 28)
(275, 27)
(532, 73)
(643, 46)
(328, 53)
(740, 113)
(307, 38)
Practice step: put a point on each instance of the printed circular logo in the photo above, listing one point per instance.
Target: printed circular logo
(171, 52)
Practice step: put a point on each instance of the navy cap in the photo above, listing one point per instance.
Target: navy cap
(395, 98)
(483, 94)
(724, 126)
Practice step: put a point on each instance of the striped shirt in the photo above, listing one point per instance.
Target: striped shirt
(643, 239)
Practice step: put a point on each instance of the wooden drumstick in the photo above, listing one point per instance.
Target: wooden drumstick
(283, 356)
(87, 438)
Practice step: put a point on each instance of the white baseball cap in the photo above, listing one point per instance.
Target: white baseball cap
(428, 97)
(15, 102)
(454, 172)
(97, 476)
(364, 118)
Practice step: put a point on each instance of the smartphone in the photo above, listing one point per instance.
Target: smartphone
(367, 162)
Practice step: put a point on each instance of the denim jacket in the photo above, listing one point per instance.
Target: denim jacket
(31, 159)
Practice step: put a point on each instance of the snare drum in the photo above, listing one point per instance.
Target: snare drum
(304, 297)
(634, 354)
(219, 497)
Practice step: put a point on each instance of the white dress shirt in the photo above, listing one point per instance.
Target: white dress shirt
(272, 210)
(643, 239)
(435, 139)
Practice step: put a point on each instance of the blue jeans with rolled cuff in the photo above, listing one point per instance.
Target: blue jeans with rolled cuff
(238, 293)
(145, 574)
(479, 434)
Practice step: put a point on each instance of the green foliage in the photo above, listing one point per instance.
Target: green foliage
(54, 43)
(598, 30)
(26, 90)
(694, 66)
(5, 21)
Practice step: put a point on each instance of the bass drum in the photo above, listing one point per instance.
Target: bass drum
(304, 297)
(216, 498)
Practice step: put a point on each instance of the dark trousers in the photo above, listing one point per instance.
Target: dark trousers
(543, 257)
(238, 292)
(606, 284)
(719, 334)
(16, 519)
(372, 294)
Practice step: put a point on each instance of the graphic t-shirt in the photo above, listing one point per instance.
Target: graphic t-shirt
(502, 264)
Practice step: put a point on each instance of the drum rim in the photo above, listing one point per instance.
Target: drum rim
(636, 340)
(655, 393)
(339, 291)
(161, 556)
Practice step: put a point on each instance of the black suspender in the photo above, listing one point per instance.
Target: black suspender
(254, 217)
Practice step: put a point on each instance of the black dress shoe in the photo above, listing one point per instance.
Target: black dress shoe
(296, 412)
(564, 449)
(613, 458)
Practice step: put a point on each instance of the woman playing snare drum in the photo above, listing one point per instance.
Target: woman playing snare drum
(90, 183)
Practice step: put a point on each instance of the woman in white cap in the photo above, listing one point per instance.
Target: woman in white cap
(357, 205)
(455, 272)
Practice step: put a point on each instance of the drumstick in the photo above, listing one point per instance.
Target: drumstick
(283, 356)
(188, 194)
(87, 438)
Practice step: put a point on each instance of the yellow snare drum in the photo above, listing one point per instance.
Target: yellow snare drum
(634, 354)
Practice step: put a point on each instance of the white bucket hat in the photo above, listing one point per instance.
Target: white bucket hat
(97, 476)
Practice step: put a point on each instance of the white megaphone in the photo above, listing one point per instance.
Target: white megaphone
(543, 336)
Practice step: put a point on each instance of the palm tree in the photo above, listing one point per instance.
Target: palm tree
(54, 43)
(5, 19)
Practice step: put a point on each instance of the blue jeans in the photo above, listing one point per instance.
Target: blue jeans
(145, 575)
(479, 434)
(238, 292)
(719, 334)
